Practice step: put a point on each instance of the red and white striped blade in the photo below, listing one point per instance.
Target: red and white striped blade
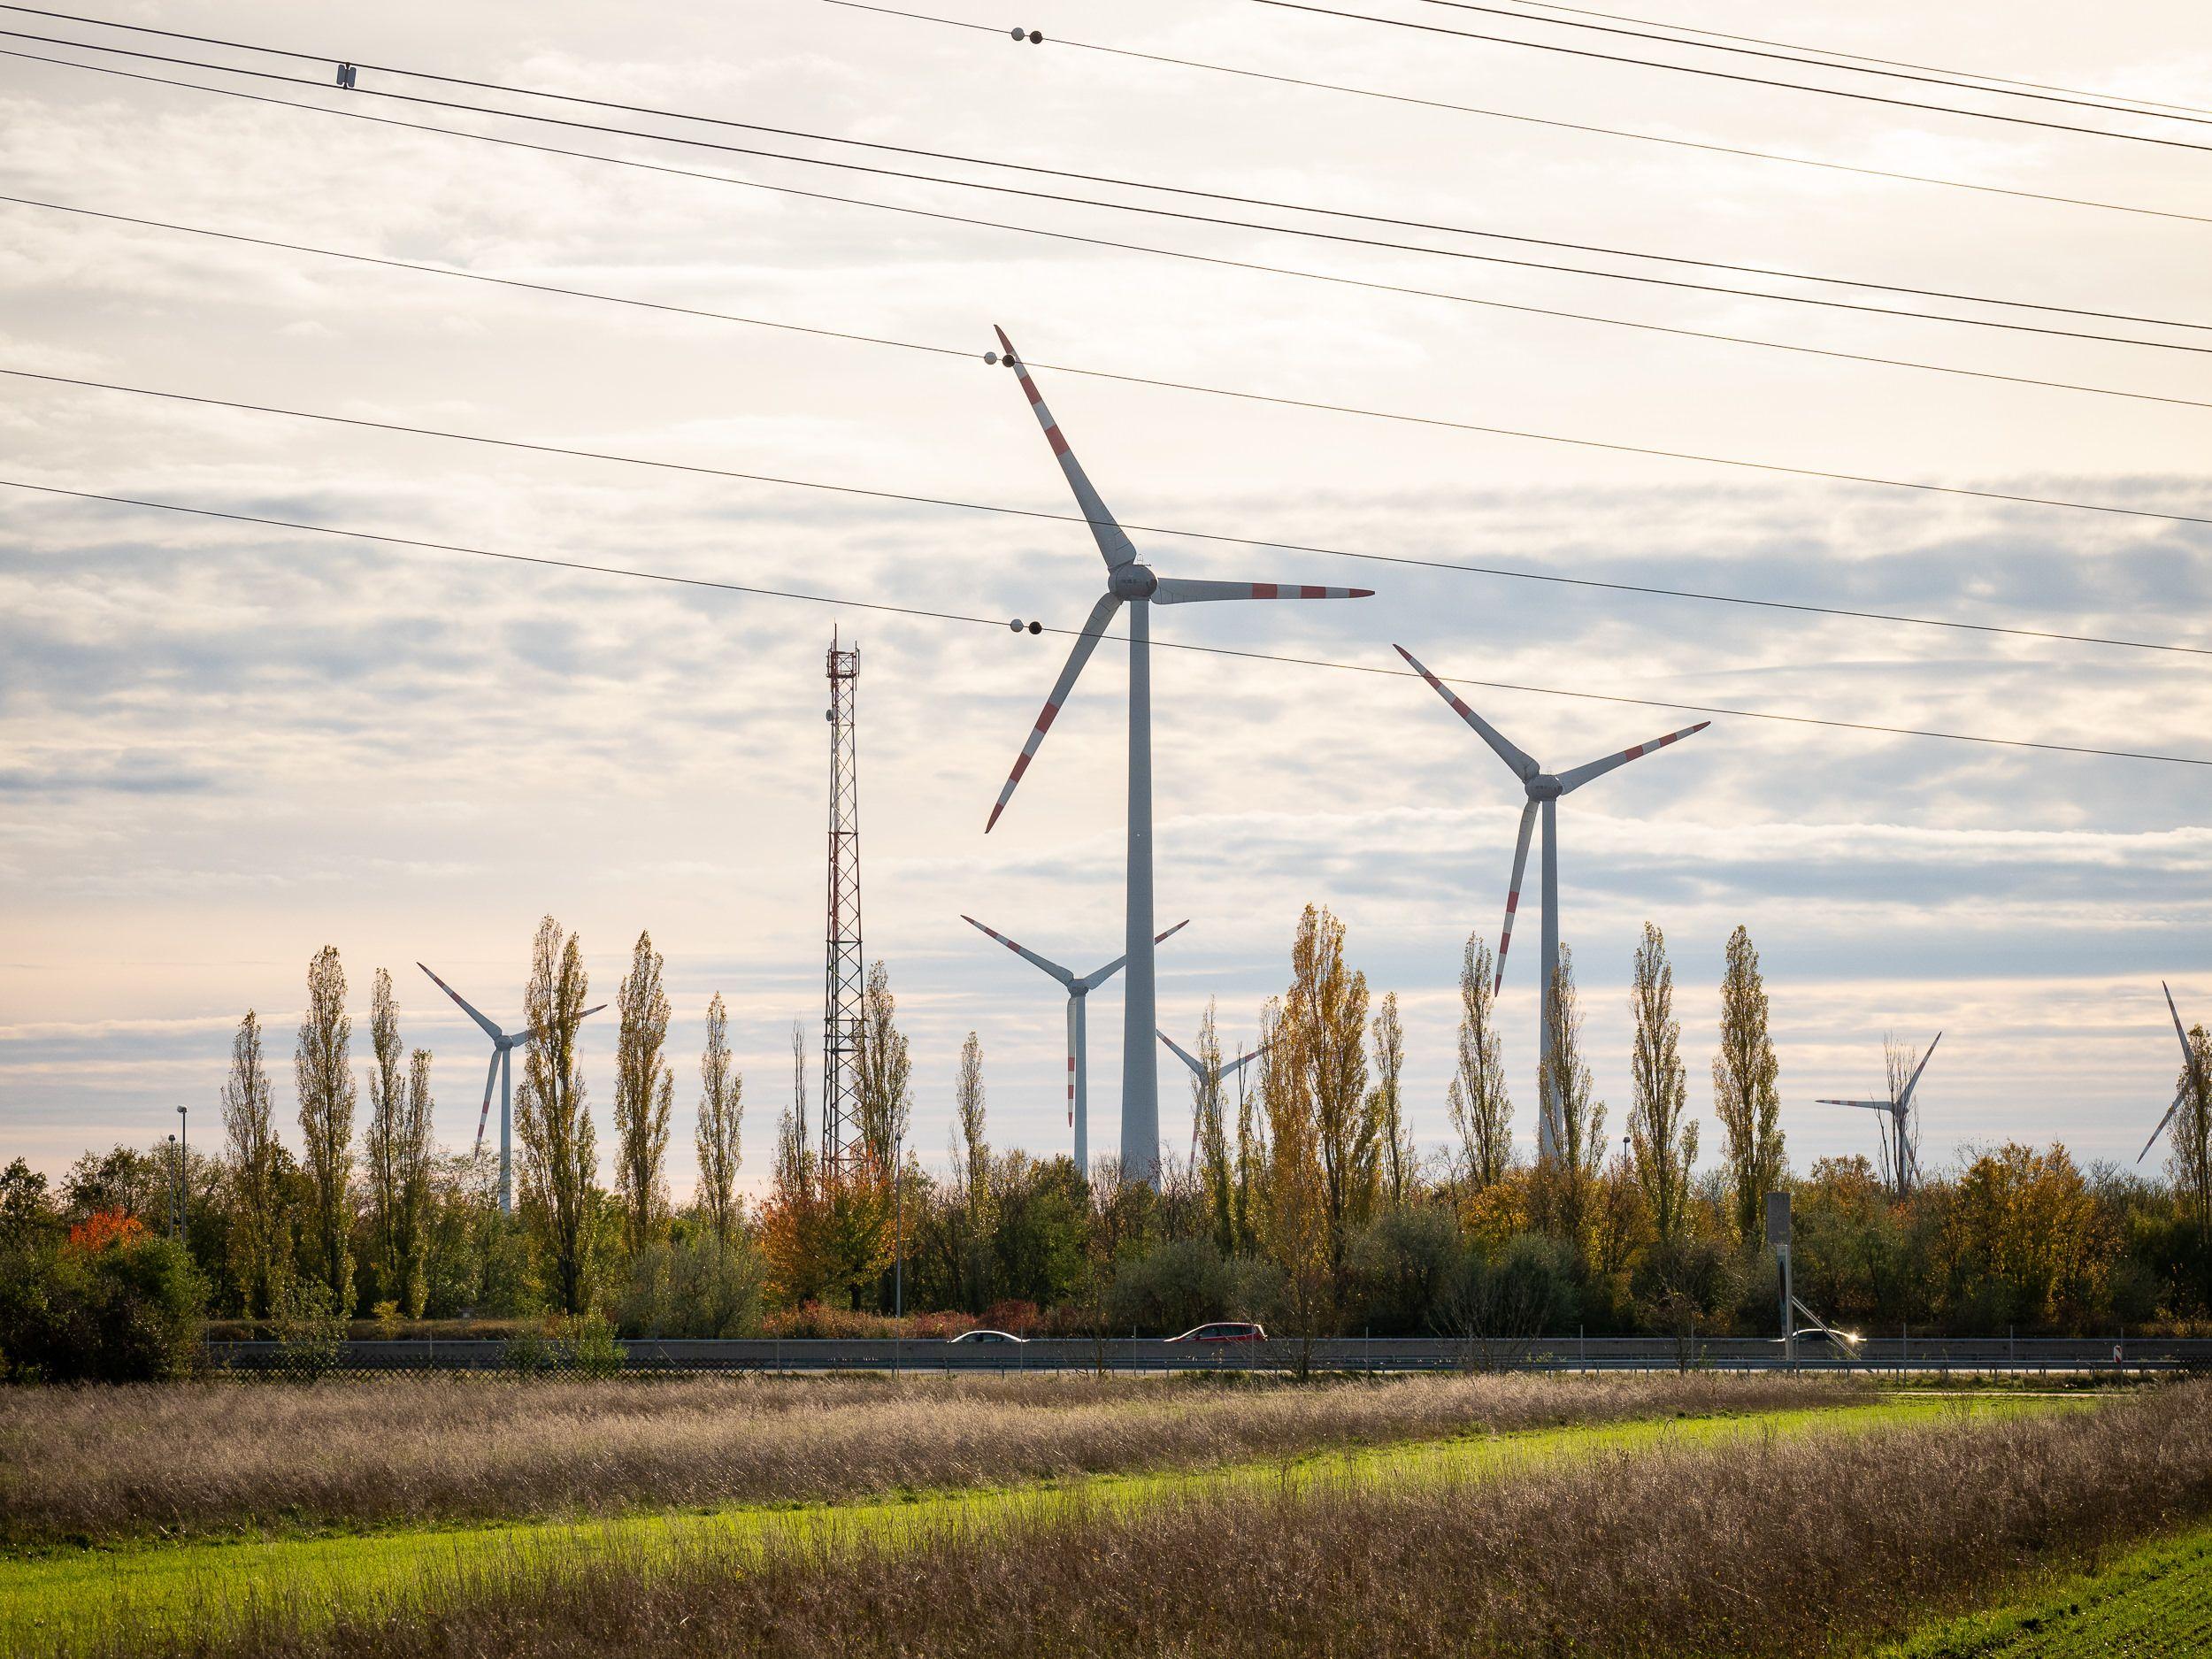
(1094, 630)
(1870, 1105)
(491, 1080)
(1189, 1059)
(1113, 545)
(483, 1024)
(1524, 766)
(1513, 892)
(1174, 590)
(1099, 976)
(1569, 781)
(1023, 951)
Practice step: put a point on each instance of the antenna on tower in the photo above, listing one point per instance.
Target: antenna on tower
(844, 968)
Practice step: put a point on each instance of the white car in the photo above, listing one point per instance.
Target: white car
(987, 1336)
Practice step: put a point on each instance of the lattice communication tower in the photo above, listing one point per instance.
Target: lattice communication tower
(844, 971)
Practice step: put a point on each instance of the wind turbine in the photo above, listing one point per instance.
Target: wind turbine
(2196, 1078)
(1544, 789)
(1079, 989)
(1219, 1072)
(1130, 581)
(504, 1045)
(1899, 1106)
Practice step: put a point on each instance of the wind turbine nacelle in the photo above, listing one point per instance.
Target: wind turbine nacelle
(1544, 786)
(1133, 580)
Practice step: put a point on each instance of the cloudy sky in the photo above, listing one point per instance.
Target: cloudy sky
(226, 745)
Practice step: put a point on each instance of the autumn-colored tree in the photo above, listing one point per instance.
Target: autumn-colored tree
(721, 1116)
(1661, 1134)
(971, 1151)
(323, 1078)
(1324, 1030)
(560, 1160)
(1482, 1110)
(644, 1088)
(418, 1179)
(790, 1222)
(1252, 1148)
(1210, 1136)
(1297, 1220)
(2025, 1241)
(1563, 1191)
(1386, 1037)
(259, 1244)
(1746, 1097)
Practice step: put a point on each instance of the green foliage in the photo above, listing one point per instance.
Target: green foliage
(588, 1347)
(310, 1330)
(1402, 1264)
(1186, 1282)
(125, 1310)
(693, 1285)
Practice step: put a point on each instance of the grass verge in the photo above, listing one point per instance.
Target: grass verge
(2154, 1601)
(163, 1599)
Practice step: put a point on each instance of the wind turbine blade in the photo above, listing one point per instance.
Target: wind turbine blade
(1113, 545)
(1183, 1054)
(2163, 1122)
(1174, 590)
(1094, 630)
(1092, 981)
(1905, 1099)
(593, 1008)
(491, 1078)
(1524, 767)
(1243, 1060)
(1569, 781)
(1513, 892)
(1025, 954)
(1871, 1105)
(490, 1030)
(2188, 1053)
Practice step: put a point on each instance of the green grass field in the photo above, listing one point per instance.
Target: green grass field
(2153, 1602)
(58, 1598)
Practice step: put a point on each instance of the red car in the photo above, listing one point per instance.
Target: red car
(1228, 1330)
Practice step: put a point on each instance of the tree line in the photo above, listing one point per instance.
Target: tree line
(1304, 1201)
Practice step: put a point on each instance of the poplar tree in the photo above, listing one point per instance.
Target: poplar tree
(973, 1152)
(1745, 1096)
(260, 1256)
(1209, 1135)
(644, 1088)
(1482, 1109)
(721, 1115)
(560, 1159)
(1663, 1138)
(1386, 1105)
(885, 1072)
(417, 1157)
(1579, 1146)
(1326, 1017)
(322, 1075)
(380, 1151)
(1252, 1148)
(2190, 1161)
(1296, 1218)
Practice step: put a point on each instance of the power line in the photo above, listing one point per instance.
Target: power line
(1931, 79)
(938, 215)
(548, 561)
(1724, 74)
(916, 499)
(2117, 100)
(691, 311)
(1182, 216)
(997, 33)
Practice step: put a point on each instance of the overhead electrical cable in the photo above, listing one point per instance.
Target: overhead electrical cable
(917, 499)
(1922, 79)
(997, 33)
(2119, 100)
(1181, 216)
(528, 285)
(1729, 74)
(583, 567)
(940, 215)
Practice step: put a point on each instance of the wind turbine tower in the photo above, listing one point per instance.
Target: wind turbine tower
(844, 966)
(1129, 581)
(1221, 1072)
(504, 1045)
(1543, 789)
(1079, 988)
(1903, 1162)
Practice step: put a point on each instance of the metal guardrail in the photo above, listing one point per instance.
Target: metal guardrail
(1341, 1354)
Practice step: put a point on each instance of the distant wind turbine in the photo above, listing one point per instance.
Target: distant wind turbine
(2195, 1076)
(504, 1045)
(1904, 1162)
(1218, 1073)
(1079, 990)
(1129, 581)
(1544, 789)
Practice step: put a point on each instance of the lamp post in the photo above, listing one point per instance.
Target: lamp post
(184, 1172)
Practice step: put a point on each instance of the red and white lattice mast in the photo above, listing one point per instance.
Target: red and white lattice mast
(844, 969)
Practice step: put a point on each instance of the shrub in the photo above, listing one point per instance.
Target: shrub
(697, 1286)
(588, 1347)
(310, 1331)
(110, 1303)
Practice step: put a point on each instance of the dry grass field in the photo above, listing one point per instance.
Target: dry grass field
(106, 1465)
(1783, 1546)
